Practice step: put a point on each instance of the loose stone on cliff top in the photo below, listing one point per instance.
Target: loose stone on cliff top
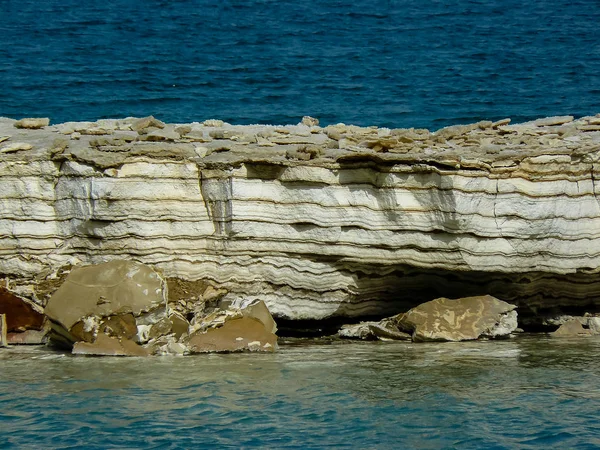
(146, 122)
(32, 123)
(15, 147)
(462, 319)
(310, 121)
(550, 121)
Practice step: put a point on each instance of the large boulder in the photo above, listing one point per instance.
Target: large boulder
(462, 319)
(120, 308)
(572, 328)
(247, 328)
(122, 300)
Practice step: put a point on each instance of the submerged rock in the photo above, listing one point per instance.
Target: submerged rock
(462, 319)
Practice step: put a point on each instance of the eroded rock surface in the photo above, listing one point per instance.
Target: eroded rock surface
(25, 321)
(316, 221)
(572, 328)
(248, 328)
(21, 314)
(120, 308)
(120, 299)
(462, 319)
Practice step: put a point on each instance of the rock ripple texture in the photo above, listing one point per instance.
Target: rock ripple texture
(317, 222)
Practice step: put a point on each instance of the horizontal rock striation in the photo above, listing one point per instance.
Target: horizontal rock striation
(317, 222)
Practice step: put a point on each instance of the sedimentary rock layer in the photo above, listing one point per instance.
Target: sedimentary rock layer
(317, 222)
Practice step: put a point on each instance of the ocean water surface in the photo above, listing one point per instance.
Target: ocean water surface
(395, 63)
(528, 392)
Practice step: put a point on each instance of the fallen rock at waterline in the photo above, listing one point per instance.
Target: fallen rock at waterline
(120, 299)
(462, 319)
(25, 322)
(249, 328)
(120, 308)
(572, 328)
(385, 330)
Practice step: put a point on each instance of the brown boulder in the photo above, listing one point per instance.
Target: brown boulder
(21, 314)
(572, 328)
(239, 334)
(122, 300)
(462, 319)
(249, 328)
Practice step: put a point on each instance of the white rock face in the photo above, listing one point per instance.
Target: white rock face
(317, 222)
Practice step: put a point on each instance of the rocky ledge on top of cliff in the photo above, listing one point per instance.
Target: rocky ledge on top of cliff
(319, 222)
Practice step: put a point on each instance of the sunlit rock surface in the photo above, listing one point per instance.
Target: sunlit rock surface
(109, 308)
(462, 319)
(442, 319)
(120, 308)
(317, 222)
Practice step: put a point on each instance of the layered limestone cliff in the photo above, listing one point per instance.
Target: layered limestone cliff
(317, 222)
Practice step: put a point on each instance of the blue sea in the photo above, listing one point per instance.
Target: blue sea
(394, 63)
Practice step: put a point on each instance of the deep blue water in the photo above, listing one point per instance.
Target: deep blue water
(526, 393)
(395, 63)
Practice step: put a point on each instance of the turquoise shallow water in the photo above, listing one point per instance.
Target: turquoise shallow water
(528, 392)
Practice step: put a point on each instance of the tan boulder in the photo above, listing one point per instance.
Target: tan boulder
(250, 328)
(239, 334)
(572, 328)
(179, 324)
(462, 319)
(120, 299)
